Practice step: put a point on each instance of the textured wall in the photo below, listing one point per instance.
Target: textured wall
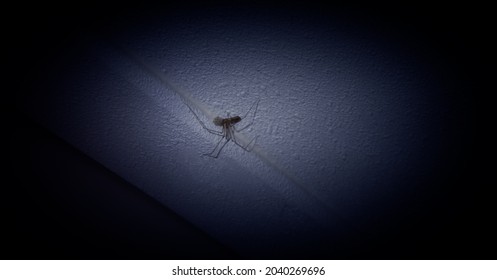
(352, 124)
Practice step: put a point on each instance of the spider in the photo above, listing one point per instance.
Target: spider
(228, 131)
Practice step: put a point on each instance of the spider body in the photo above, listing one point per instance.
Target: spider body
(227, 121)
(228, 130)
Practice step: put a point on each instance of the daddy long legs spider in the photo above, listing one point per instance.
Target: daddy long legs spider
(229, 130)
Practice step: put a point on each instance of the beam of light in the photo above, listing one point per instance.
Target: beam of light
(183, 94)
(323, 214)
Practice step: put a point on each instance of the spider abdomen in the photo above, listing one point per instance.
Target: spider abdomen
(233, 120)
(227, 121)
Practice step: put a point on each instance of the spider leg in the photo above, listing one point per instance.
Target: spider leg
(217, 145)
(246, 147)
(220, 149)
(218, 152)
(256, 104)
(212, 131)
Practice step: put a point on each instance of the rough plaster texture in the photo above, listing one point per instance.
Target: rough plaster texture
(346, 124)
